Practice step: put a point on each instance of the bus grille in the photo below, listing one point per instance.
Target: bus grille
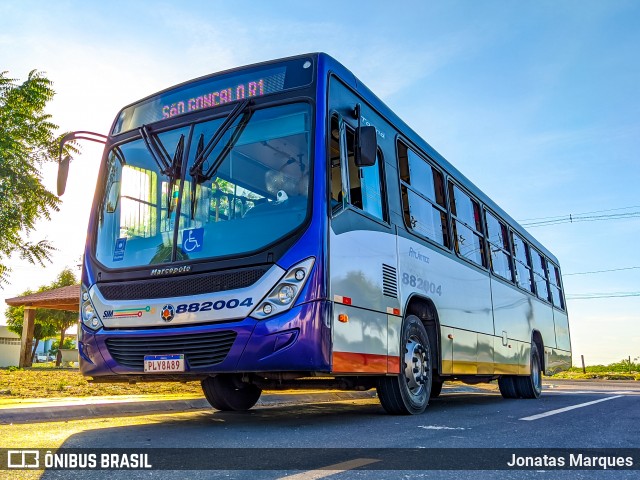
(389, 281)
(200, 350)
(181, 286)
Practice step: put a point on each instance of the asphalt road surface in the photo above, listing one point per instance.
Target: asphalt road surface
(354, 439)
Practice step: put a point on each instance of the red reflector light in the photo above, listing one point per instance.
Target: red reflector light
(346, 300)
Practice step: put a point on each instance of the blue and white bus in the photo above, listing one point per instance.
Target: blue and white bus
(278, 226)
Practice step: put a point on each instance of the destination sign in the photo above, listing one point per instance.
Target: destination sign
(214, 91)
(254, 88)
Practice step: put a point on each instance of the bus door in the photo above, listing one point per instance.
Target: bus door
(362, 251)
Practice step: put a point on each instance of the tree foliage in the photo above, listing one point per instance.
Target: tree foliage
(27, 139)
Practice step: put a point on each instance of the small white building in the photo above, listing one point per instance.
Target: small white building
(9, 347)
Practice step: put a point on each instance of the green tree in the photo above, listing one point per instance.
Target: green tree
(55, 346)
(60, 319)
(42, 329)
(27, 139)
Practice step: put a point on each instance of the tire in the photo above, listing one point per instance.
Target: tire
(531, 385)
(436, 388)
(507, 386)
(228, 393)
(409, 392)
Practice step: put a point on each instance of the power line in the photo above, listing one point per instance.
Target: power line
(577, 219)
(592, 296)
(600, 271)
(585, 213)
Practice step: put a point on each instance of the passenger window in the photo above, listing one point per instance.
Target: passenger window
(423, 197)
(524, 276)
(497, 235)
(555, 286)
(540, 275)
(467, 226)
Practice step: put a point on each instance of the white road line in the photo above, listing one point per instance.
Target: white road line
(566, 409)
(331, 469)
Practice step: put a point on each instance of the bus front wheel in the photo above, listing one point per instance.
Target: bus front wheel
(409, 392)
(229, 393)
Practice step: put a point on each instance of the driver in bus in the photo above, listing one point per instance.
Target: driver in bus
(289, 186)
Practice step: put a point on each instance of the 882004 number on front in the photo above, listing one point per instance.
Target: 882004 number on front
(209, 306)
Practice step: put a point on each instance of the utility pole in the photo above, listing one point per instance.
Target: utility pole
(584, 370)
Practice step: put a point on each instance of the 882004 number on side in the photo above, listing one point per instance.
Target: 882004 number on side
(418, 283)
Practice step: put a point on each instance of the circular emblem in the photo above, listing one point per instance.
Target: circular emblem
(167, 313)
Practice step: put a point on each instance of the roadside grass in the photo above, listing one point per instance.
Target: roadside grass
(47, 381)
(622, 370)
(577, 374)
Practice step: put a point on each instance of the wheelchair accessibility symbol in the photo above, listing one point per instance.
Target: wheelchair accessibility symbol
(192, 240)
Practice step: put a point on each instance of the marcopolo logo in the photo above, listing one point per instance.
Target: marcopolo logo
(167, 313)
(170, 270)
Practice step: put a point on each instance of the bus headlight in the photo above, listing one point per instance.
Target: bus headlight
(283, 296)
(286, 294)
(88, 313)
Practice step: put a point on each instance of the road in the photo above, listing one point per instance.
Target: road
(574, 415)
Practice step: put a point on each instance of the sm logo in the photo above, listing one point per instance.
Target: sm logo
(107, 314)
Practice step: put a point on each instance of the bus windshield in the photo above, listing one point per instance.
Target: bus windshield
(251, 190)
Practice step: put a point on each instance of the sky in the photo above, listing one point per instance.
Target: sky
(537, 103)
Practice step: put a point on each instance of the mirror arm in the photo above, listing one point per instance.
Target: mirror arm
(63, 164)
(81, 135)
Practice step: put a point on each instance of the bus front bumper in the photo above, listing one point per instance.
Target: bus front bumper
(296, 340)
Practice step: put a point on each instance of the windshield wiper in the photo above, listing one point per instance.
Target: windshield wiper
(244, 121)
(203, 154)
(157, 150)
(174, 172)
(199, 176)
(171, 167)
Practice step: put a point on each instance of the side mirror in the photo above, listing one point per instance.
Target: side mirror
(366, 146)
(63, 174)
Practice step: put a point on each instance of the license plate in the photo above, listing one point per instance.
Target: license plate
(164, 363)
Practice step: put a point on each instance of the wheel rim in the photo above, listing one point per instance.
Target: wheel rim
(416, 365)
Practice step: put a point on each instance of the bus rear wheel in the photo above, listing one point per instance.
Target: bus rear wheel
(531, 385)
(229, 393)
(409, 392)
(507, 386)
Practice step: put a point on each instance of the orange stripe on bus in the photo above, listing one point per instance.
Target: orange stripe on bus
(393, 364)
(348, 362)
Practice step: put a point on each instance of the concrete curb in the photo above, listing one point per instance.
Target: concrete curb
(41, 412)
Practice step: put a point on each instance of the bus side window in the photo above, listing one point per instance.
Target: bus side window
(467, 226)
(334, 164)
(522, 263)
(497, 235)
(365, 184)
(556, 287)
(540, 275)
(423, 196)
